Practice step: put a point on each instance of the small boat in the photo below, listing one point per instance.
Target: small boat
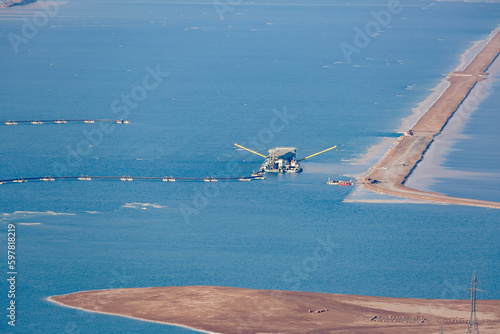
(60, 121)
(10, 123)
(244, 179)
(345, 183)
(84, 178)
(120, 121)
(87, 121)
(129, 178)
(123, 178)
(19, 181)
(262, 177)
(126, 122)
(47, 179)
(332, 182)
(36, 122)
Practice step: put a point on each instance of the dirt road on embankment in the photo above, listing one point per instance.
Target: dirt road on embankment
(399, 162)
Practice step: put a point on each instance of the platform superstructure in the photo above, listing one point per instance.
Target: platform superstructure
(282, 159)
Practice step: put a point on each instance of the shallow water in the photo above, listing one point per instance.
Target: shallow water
(463, 161)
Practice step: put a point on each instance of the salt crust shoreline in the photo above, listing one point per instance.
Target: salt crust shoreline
(432, 167)
(216, 309)
(50, 299)
(408, 122)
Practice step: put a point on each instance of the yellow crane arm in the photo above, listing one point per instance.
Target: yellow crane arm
(315, 154)
(249, 150)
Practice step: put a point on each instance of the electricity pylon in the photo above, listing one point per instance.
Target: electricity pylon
(473, 327)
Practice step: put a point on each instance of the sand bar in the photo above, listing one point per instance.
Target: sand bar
(397, 165)
(235, 310)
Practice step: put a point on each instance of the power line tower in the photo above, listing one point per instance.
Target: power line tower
(473, 327)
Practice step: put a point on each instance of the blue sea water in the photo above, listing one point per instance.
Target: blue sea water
(228, 80)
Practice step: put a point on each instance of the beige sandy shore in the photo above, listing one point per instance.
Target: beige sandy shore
(235, 310)
(399, 162)
(13, 3)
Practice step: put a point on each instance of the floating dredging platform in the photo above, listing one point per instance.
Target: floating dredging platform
(282, 159)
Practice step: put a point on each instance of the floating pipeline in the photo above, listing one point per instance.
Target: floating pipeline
(129, 178)
(63, 121)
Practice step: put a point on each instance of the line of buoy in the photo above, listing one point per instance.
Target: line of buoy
(130, 178)
(64, 121)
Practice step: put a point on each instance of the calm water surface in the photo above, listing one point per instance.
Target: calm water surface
(225, 79)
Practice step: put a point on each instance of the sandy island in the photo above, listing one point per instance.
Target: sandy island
(398, 163)
(234, 310)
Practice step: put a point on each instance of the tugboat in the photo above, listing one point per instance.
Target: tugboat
(281, 159)
(258, 176)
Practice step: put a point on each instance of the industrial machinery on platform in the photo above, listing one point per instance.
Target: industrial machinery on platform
(282, 159)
